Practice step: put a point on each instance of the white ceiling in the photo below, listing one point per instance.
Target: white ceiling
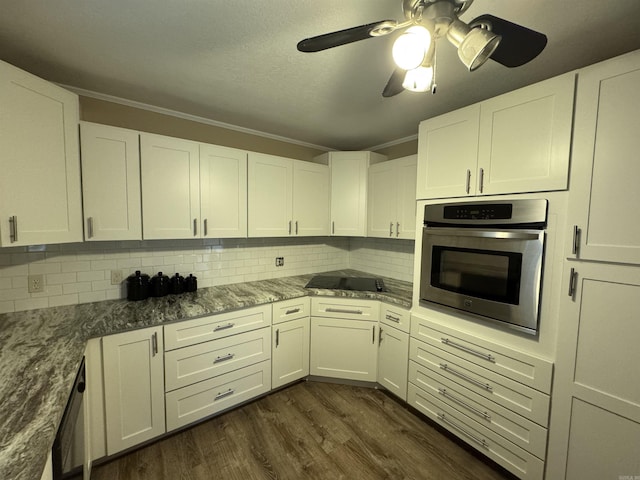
(235, 61)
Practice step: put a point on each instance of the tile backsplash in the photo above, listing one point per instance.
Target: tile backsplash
(81, 272)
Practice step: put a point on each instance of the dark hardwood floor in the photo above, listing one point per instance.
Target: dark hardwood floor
(308, 431)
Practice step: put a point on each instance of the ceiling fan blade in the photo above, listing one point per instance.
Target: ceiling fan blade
(342, 37)
(519, 45)
(394, 85)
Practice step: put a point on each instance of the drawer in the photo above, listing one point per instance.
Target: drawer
(515, 428)
(395, 317)
(206, 360)
(521, 367)
(518, 461)
(190, 404)
(291, 309)
(515, 396)
(211, 327)
(350, 308)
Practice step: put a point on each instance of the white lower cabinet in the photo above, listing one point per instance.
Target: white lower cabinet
(494, 398)
(133, 387)
(393, 350)
(290, 341)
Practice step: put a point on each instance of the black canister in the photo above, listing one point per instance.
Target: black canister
(176, 284)
(137, 286)
(159, 285)
(190, 283)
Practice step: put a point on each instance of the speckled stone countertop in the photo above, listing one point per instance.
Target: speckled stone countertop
(41, 350)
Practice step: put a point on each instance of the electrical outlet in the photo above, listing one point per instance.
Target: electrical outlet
(279, 261)
(116, 277)
(36, 283)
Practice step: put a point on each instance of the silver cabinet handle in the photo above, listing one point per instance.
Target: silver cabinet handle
(224, 358)
(223, 327)
(289, 227)
(572, 282)
(468, 186)
(206, 227)
(277, 337)
(480, 413)
(373, 334)
(343, 310)
(481, 180)
(89, 227)
(13, 229)
(464, 348)
(195, 227)
(397, 229)
(480, 441)
(296, 227)
(293, 310)
(391, 229)
(231, 391)
(154, 344)
(380, 336)
(447, 368)
(333, 228)
(575, 248)
(392, 318)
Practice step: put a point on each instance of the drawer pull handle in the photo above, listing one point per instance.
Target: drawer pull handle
(479, 441)
(221, 395)
(392, 318)
(344, 310)
(480, 413)
(293, 310)
(224, 358)
(223, 327)
(447, 368)
(486, 356)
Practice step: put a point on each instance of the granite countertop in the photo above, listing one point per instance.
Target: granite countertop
(41, 350)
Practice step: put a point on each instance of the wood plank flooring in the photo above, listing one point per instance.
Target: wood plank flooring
(310, 430)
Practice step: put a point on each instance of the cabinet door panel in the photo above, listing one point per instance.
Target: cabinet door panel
(349, 193)
(310, 199)
(111, 182)
(290, 352)
(381, 205)
(170, 187)
(406, 197)
(393, 360)
(223, 192)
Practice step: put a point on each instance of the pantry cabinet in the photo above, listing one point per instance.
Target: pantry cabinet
(392, 199)
(110, 182)
(514, 143)
(287, 197)
(290, 341)
(40, 197)
(133, 387)
(604, 196)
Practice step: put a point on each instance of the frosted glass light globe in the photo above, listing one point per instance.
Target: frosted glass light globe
(411, 47)
(419, 79)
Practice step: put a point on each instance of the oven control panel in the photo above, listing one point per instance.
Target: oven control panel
(495, 211)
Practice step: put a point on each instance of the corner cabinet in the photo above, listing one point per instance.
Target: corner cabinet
(514, 143)
(110, 182)
(391, 200)
(40, 198)
(133, 387)
(287, 197)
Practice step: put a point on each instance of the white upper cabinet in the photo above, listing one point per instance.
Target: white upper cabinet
(287, 197)
(514, 143)
(110, 182)
(604, 196)
(223, 192)
(170, 187)
(391, 203)
(40, 198)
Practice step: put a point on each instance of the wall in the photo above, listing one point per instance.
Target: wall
(81, 272)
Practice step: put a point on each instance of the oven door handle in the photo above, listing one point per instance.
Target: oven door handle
(467, 232)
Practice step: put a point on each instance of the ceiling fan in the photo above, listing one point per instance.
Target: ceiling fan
(485, 37)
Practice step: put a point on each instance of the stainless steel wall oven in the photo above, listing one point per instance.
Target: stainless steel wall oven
(486, 258)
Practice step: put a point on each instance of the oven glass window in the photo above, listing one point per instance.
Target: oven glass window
(479, 273)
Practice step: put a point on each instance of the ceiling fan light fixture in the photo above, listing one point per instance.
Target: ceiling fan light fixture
(475, 45)
(419, 79)
(411, 48)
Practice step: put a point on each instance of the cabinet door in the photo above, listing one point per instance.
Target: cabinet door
(525, 138)
(110, 182)
(393, 360)
(349, 193)
(170, 187)
(448, 154)
(290, 353)
(310, 199)
(223, 192)
(381, 204)
(406, 197)
(133, 388)
(343, 348)
(40, 162)
(270, 195)
(604, 197)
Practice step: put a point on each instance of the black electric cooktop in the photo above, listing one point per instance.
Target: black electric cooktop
(363, 284)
